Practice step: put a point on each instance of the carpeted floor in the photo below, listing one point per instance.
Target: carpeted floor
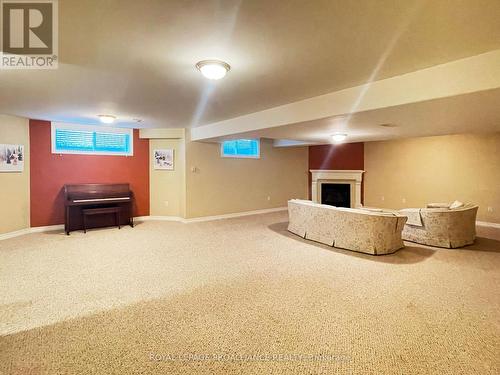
(243, 296)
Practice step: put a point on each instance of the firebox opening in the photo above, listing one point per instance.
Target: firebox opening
(338, 195)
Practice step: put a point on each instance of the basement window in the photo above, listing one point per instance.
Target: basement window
(91, 140)
(241, 148)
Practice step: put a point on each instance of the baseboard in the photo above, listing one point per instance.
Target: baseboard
(21, 232)
(16, 233)
(488, 230)
(487, 224)
(233, 215)
(208, 218)
(158, 218)
(51, 228)
(48, 228)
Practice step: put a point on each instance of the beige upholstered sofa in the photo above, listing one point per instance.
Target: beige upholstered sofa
(442, 227)
(368, 231)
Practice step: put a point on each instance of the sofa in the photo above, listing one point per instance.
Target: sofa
(373, 232)
(441, 227)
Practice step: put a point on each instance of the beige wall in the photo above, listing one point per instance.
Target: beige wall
(167, 188)
(228, 185)
(435, 169)
(14, 187)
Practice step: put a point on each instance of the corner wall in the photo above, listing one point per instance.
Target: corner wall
(220, 186)
(15, 186)
(414, 172)
(168, 188)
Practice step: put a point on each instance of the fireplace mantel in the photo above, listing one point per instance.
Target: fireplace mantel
(353, 177)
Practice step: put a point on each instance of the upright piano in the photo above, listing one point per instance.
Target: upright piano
(86, 197)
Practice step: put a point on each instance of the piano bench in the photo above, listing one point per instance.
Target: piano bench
(101, 211)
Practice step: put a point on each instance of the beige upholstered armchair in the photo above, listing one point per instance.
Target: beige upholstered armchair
(442, 227)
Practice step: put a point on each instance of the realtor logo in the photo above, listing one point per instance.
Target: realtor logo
(29, 34)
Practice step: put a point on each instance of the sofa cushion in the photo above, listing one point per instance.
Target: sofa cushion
(438, 205)
(456, 204)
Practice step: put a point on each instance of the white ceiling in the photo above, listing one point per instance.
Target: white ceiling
(468, 113)
(135, 59)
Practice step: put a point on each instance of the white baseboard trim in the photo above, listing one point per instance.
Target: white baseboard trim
(233, 215)
(209, 218)
(487, 224)
(51, 228)
(16, 233)
(21, 232)
(159, 218)
(488, 230)
(48, 228)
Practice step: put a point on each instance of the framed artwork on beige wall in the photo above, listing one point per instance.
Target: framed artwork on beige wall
(163, 159)
(11, 158)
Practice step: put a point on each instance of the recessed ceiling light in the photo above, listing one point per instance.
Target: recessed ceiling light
(338, 137)
(107, 119)
(213, 69)
(389, 125)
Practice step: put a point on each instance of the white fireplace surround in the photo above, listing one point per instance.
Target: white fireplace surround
(352, 177)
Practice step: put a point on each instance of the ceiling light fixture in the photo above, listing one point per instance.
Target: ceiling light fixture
(213, 69)
(389, 125)
(107, 119)
(338, 137)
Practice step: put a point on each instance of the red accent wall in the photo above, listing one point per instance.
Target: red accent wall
(49, 172)
(342, 156)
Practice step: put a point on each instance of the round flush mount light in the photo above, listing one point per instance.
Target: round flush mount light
(107, 119)
(213, 69)
(339, 137)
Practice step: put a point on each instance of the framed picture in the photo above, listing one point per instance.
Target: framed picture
(11, 158)
(164, 159)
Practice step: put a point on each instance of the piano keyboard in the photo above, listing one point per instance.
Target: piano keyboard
(101, 199)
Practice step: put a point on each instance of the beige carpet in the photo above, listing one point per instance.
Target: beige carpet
(243, 296)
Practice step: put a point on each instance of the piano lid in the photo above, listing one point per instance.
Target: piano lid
(95, 191)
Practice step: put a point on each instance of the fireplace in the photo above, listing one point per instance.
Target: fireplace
(338, 195)
(340, 188)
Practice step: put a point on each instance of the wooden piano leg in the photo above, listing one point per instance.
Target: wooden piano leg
(130, 216)
(66, 221)
(117, 219)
